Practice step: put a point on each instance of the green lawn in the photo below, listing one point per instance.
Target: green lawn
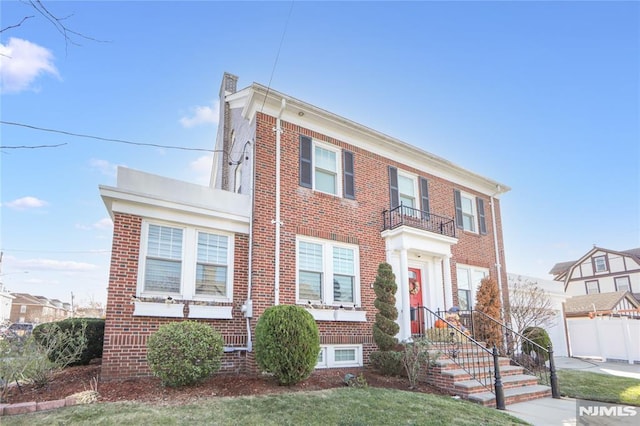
(343, 406)
(599, 387)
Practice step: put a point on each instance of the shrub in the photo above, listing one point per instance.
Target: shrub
(287, 343)
(488, 302)
(385, 327)
(388, 363)
(92, 329)
(415, 357)
(539, 336)
(184, 353)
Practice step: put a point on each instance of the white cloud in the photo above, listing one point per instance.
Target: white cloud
(52, 265)
(104, 167)
(202, 115)
(202, 168)
(104, 223)
(21, 62)
(26, 203)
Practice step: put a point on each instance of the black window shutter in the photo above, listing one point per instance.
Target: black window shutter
(424, 195)
(482, 223)
(458, 200)
(393, 187)
(305, 161)
(349, 178)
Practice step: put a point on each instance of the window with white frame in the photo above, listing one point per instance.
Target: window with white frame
(600, 264)
(592, 287)
(185, 262)
(328, 272)
(23, 309)
(622, 283)
(469, 278)
(326, 168)
(332, 356)
(470, 215)
(407, 190)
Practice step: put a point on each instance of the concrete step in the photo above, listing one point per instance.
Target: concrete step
(508, 382)
(512, 395)
(461, 374)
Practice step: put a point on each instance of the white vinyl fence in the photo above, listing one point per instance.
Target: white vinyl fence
(612, 339)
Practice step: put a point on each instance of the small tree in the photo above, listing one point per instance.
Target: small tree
(287, 343)
(385, 328)
(530, 305)
(184, 353)
(488, 302)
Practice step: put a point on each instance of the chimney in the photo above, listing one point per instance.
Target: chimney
(228, 86)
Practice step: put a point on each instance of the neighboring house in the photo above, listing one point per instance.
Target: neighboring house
(618, 303)
(601, 271)
(6, 300)
(556, 297)
(37, 309)
(302, 207)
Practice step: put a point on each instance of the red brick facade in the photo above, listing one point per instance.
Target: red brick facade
(304, 212)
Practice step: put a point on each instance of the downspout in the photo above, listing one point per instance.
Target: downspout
(495, 244)
(277, 222)
(248, 305)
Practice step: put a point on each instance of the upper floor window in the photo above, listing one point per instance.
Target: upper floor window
(326, 168)
(470, 212)
(185, 263)
(328, 272)
(408, 190)
(622, 283)
(592, 287)
(23, 309)
(469, 278)
(600, 264)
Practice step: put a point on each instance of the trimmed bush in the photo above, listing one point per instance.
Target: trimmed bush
(385, 328)
(287, 343)
(93, 333)
(184, 353)
(539, 336)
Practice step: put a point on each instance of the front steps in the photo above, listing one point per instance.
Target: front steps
(450, 375)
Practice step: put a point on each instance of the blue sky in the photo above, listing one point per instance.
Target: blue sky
(541, 96)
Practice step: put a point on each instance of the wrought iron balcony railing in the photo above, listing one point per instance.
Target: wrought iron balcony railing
(409, 216)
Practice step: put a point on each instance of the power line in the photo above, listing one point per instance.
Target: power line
(80, 135)
(97, 251)
(273, 70)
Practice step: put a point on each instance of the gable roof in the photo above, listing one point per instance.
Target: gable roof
(597, 302)
(561, 268)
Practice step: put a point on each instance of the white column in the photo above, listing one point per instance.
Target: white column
(448, 287)
(404, 316)
(438, 282)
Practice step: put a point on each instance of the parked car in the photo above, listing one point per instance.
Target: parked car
(17, 330)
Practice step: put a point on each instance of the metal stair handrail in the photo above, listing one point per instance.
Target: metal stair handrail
(511, 348)
(453, 347)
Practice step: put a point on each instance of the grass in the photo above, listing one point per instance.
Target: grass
(599, 387)
(343, 406)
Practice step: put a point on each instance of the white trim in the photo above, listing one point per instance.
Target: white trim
(158, 309)
(327, 270)
(329, 360)
(210, 312)
(188, 260)
(338, 152)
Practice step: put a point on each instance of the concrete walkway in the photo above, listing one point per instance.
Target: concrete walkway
(562, 412)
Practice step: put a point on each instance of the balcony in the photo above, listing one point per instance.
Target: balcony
(418, 219)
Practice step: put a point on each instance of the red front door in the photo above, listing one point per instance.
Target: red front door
(415, 300)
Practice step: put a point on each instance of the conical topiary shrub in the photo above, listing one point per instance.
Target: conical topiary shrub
(385, 327)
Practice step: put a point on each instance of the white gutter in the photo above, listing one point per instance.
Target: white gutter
(248, 304)
(277, 221)
(495, 244)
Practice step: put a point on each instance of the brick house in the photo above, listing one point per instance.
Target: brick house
(37, 309)
(302, 207)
